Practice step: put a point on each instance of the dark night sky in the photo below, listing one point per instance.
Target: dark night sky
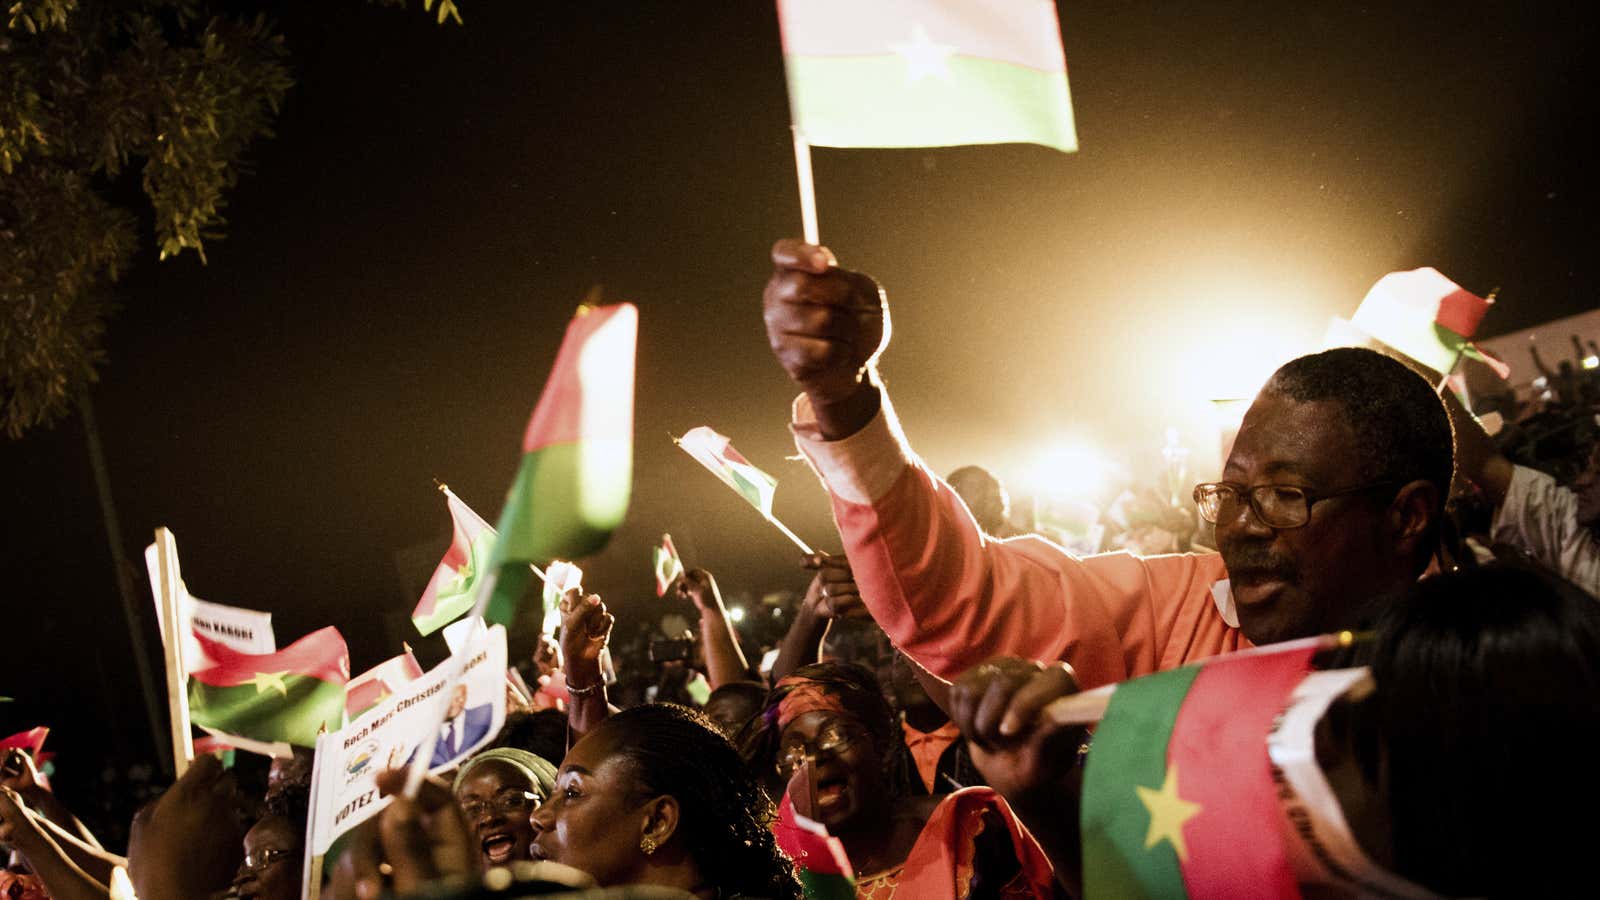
(400, 265)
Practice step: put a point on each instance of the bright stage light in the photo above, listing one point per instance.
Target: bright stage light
(1069, 470)
(736, 614)
(1591, 362)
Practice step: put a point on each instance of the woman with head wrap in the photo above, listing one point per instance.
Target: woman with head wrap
(498, 790)
(831, 721)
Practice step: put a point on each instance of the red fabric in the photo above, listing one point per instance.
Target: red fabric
(31, 740)
(805, 696)
(939, 866)
(1461, 311)
(952, 597)
(1219, 744)
(320, 654)
(809, 845)
(559, 418)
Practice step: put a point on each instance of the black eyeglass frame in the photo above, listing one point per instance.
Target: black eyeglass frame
(1250, 495)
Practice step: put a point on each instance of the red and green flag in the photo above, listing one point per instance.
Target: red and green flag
(449, 592)
(287, 696)
(1426, 316)
(927, 73)
(819, 858)
(668, 566)
(1178, 798)
(31, 740)
(572, 487)
(375, 685)
(713, 451)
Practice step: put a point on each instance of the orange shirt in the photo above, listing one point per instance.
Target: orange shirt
(926, 747)
(952, 597)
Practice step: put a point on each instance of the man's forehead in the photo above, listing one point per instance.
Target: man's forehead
(1281, 436)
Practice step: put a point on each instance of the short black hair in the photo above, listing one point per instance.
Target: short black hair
(1488, 712)
(1402, 427)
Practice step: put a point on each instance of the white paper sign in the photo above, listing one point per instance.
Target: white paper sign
(245, 630)
(344, 775)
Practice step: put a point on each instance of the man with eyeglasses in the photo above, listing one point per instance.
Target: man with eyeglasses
(1330, 500)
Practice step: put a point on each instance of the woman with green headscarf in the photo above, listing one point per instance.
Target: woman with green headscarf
(498, 790)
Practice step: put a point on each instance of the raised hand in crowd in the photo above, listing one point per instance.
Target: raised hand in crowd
(827, 326)
(585, 631)
(725, 662)
(24, 829)
(410, 844)
(188, 842)
(1032, 762)
(831, 595)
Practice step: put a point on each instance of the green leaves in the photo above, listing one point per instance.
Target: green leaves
(85, 93)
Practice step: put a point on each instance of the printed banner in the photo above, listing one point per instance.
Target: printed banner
(344, 788)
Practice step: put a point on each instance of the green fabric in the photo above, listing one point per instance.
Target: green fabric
(263, 713)
(1130, 748)
(538, 769)
(869, 101)
(565, 502)
(455, 597)
(825, 886)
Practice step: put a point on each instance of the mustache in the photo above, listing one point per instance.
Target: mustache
(1257, 560)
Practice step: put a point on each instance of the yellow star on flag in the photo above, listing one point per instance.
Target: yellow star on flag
(265, 680)
(924, 58)
(1168, 813)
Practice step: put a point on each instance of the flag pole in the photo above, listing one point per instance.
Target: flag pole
(804, 548)
(808, 190)
(172, 644)
(482, 591)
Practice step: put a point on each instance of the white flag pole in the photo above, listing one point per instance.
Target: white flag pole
(808, 190)
(804, 548)
(481, 593)
(172, 645)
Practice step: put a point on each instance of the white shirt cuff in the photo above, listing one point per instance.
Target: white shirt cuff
(862, 467)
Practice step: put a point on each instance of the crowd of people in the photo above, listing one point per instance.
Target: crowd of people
(904, 708)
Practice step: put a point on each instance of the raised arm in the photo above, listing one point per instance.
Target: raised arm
(725, 662)
(585, 632)
(943, 591)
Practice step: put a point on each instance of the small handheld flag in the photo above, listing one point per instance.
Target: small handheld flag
(713, 451)
(1424, 315)
(922, 73)
(667, 565)
(377, 683)
(1178, 797)
(284, 696)
(449, 591)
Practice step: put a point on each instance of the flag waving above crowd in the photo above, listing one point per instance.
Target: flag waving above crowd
(668, 566)
(576, 474)
(927, 73)
(287, 696)
(449, 592)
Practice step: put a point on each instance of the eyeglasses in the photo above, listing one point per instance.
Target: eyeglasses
(1276, 505)
(833, 740)
(507, 804)
(255, 862)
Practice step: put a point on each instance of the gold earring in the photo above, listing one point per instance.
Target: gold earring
(648, 844)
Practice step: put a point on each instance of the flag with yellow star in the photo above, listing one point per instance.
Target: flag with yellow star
(285, 696)
(926, 73)
(449, 592)
(1178, 799)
